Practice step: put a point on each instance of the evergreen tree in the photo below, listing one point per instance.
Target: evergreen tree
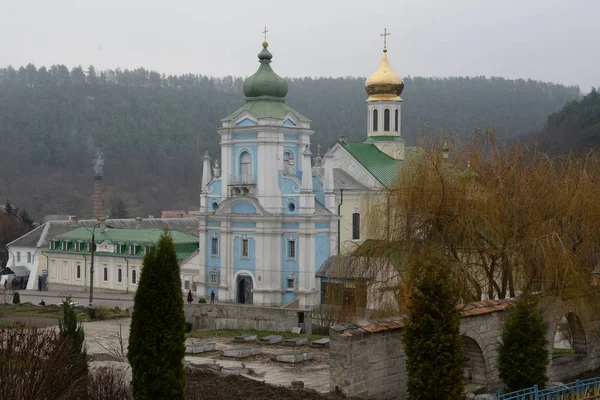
(432, 340)
(26, 220)
(523, 354)
(69, 327)
(157, 335)
(119, 210)
(9, 209)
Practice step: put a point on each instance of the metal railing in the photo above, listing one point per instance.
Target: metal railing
(585, 389)
(244, 179)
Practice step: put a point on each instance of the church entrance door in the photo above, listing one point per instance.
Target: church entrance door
(244, 289)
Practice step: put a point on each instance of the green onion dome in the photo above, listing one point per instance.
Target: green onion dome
(265, 82)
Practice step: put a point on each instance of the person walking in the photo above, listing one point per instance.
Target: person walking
(40, 283)
(212, 296)
(190, 298)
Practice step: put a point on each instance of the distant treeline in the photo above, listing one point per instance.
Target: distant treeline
(152, 128)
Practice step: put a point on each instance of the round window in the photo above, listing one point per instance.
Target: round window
(215, 205)
(291, 207)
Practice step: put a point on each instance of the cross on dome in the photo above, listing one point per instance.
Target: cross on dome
(265, 43)
(385, 34)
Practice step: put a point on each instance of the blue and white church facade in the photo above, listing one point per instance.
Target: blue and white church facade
(264, 227)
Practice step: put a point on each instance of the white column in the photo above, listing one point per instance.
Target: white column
(206, 172)
(307, 195)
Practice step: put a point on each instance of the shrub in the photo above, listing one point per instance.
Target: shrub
(157, 335)
(69, 328)
(432, 339)
(91, 311)
(109, 383)
(103, 313)
(16, 298)
(202, 300)
(523, 353)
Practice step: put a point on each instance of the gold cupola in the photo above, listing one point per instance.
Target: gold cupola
(384, 84)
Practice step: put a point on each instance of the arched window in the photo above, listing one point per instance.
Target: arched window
(78, 271)
(356, 226)
(375, 119)
(119, 275)
(396, 114)
(245, 167)
(134, 277)
(105, 274)
(386, 120)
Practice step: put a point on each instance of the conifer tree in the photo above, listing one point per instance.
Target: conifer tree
(69, 327)
(432, 340)
(157, 336)
(523, 354)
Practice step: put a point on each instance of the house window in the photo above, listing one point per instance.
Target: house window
(131, 250)
(134, 277)
(29, 257)
(118, 249)
(396, 115)
(245, 167)
(214, 246)
(78, 271)
(356, 226)
(18, 256)
(90, 244)
(52, 245)
(291, 253)
(147, 249)
(386, 120)
(186, 284)
(65, 246)
(375, 118)
(120, 275)
(245, 248)
(65, 271)
(105, 274)
(214, 276)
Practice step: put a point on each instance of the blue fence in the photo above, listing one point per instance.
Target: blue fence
(588, 386)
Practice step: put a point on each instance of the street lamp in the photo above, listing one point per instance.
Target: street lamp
(93, 250)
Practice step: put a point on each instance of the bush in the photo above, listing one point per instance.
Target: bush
(523, 353)
(91, 311)
(432, 340)
(103, 313)
(16, 298)
(109, 383)
(157, 335)
(69, 328)
(202, 300)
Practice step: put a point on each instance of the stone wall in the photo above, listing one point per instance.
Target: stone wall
(244, 317)
(368, 361)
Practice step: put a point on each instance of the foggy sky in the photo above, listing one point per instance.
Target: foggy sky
(549, 40)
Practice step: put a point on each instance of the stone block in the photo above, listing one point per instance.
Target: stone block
(271, 339)
(324, 342)
(297, 330)
(296, 342)
(234, 370)
(199, 348)
(294, 357)
(245, 338)
(242, 352)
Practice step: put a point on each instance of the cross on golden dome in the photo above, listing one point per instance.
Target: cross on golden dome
(265, 43)
(385, 34)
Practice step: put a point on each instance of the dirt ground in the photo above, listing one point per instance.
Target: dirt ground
(204, 384)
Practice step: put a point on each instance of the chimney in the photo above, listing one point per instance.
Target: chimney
(97, 196)
(74, 221)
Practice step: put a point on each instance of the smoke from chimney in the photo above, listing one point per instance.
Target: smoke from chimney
(97, 197)
(99, 163)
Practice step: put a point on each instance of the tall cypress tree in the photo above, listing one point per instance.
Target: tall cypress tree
(432, 340)
(523, 354)
(157, 336)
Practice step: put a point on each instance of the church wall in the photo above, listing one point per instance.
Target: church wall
(238, 149)
(293, 147)
(212, 262)
(321, 249)
(243, 263)
(289, 267)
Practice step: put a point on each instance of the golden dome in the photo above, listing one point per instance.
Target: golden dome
(384, 84)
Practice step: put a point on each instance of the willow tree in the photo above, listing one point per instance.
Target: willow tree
(507, 215)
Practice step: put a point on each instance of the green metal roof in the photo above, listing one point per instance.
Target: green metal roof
(383, 167)
(129, 236)
(383, 138)
(265, 107)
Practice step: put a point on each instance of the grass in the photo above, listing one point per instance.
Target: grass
(556, 353)
(236, 332)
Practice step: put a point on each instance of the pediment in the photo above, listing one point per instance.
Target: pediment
(246, 119)
(242, 205)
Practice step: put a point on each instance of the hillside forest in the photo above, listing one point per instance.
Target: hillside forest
(147, 131)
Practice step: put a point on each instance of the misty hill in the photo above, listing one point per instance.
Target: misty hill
(152, 128)
(577, 125)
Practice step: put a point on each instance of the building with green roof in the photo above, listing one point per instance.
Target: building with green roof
(118, 255)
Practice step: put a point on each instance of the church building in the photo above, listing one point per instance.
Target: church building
(264, 228)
